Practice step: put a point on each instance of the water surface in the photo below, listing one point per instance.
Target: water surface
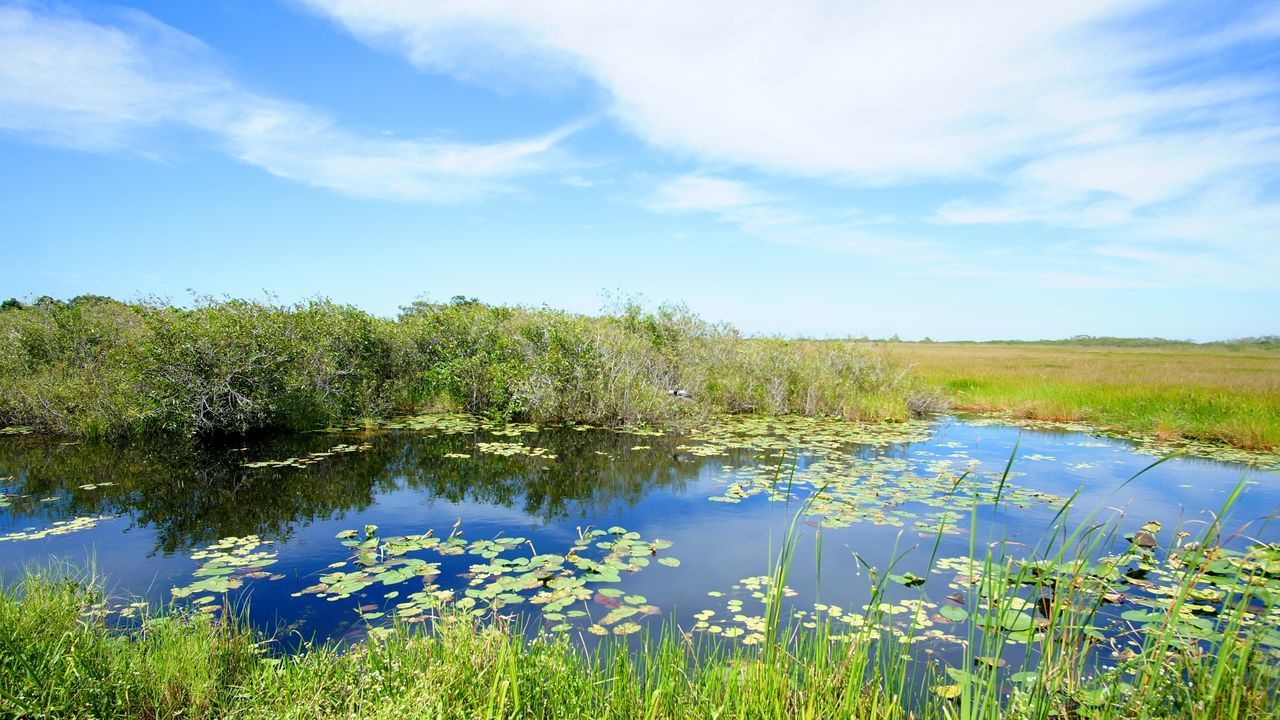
(724, 504)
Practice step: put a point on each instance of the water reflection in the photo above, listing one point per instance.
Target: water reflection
(170, 499)
(190, 495)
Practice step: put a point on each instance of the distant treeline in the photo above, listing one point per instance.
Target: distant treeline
(99, 367)
(1263, 341)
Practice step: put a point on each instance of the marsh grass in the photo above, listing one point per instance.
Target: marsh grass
(1073, 670)
(1224, 392)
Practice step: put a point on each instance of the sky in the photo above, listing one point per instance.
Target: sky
(979, 170)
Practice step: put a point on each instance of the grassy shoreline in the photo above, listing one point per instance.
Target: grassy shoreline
(1224, 393)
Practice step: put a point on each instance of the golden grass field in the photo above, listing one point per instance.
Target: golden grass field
(1222, 392)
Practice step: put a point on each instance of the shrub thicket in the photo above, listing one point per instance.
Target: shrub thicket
(95, 366)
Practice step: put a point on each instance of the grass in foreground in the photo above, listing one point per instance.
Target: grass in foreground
(1226, 393)
(56, 662)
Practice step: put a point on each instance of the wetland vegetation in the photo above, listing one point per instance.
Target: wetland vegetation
(96, 367)
(1217, 392)
(560, 536)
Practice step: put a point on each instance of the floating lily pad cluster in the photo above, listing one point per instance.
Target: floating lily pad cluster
(138, 608)
(735, 622)
(58, 527)
(925, 491)
(1145, 601)
(461, 424)
(509, 449)
(443, 423)
(1220, 578)
(640, 431)
(745, 610)
(554, 583)
(815, 435)
(15, 430)
(384, 561)
(857, 487)
(511, 429)
(309, 458)
(227, 564)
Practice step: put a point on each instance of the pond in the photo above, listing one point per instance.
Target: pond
(330, 535)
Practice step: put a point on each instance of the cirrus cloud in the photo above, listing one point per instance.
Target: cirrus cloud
(1108, 116)
(113, 83)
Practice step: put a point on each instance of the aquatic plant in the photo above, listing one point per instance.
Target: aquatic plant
(309, 458)
(227, 564)
(57, 527)
(554, 583)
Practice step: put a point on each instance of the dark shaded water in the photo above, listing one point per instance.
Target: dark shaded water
(159, 504)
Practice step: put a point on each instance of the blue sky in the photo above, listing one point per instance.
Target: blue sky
(954, 170)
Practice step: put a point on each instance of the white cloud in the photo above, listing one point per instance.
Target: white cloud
(777, 220)
(1110, 115)
(704, 192)
(1104, 186)
(1183, 250)
(1099, 117)
(71, 81)
(879, 91)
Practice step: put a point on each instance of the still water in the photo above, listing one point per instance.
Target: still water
(676, 525)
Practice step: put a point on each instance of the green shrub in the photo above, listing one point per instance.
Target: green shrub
(95, 366)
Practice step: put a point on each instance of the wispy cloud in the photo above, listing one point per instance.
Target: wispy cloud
(117, 82)
(705, 193)
(876, 91)
(1115, 262)
(1106, 184)
(1100, 143)
(1110, 117)
(782, 220)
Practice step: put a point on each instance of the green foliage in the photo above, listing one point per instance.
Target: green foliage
(95, 366)
(58, 658)
(99, 367)
(240, 366)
